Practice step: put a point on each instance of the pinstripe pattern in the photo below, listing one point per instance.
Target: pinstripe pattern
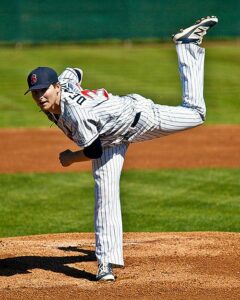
(69, 79)
(72, 76)
(108, 219)
(161, 120)
(85, 116)
(112, 117)
(191, 69)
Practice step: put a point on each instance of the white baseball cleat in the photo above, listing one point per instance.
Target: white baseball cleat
(105, 272)
(194, 34)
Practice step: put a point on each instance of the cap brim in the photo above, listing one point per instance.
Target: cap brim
(26, 92)
(38, 87)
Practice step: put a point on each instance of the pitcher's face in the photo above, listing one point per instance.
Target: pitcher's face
(48, 99)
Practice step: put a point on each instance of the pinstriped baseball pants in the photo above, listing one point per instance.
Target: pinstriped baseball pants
(107, 217)
(160, 120)
(156, 121)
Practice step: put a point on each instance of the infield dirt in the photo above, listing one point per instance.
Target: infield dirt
(36, 150)
(158, 266)
(198, 265)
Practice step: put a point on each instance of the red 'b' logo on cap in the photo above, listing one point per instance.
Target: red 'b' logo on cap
(33, 79)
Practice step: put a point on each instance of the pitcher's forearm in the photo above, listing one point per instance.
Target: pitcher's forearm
(69, 157)
(79, 156)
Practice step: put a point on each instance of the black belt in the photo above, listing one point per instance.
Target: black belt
(134, 123)
(136, 119)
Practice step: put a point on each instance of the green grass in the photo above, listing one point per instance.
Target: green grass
(164, 200)
(150, 70)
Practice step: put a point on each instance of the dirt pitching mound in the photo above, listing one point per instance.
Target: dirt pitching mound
(198, 265)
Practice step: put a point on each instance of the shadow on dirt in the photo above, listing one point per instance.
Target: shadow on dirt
(24, 264)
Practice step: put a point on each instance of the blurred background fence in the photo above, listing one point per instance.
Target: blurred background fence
(27, 21)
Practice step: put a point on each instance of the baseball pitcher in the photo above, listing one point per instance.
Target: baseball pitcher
(103, 125)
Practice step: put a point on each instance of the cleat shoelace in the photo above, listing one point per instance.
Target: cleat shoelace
(104, 268)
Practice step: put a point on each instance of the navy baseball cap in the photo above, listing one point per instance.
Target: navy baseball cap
(40, 78)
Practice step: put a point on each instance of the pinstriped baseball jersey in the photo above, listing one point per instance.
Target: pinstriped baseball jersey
(87, 115)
